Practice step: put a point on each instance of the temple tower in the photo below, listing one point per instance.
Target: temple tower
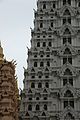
(9, 95)
(52, 78)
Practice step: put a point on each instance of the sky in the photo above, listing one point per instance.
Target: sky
(16, 18)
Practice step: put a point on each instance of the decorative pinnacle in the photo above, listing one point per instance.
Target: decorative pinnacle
(1, 53)
(0, 43)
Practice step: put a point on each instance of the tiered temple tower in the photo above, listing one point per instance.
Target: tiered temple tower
(52, 78)
(9, 95)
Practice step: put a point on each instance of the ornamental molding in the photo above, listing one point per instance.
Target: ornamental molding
(68, 87)
(71, 9)
(72, 50)
(67, 110)
(68, 26)
(67, 66)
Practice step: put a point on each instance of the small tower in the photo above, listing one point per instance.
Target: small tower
(8, 89)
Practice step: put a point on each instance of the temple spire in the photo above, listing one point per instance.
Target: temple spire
(1, 53)
(0, 43)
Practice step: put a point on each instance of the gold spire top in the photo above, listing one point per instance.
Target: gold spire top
(1, 53)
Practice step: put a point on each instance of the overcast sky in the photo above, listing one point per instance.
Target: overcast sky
(16, 18)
